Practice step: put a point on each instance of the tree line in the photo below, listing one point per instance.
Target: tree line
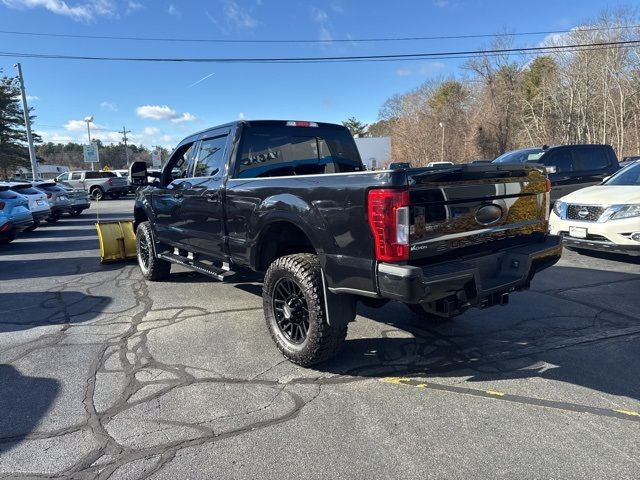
(587, 95)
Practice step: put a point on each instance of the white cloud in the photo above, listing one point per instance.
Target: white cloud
(239, 17)
(81, 125)
(133, 7)
(151, 131)
(156, 112)
(32, 98)
(241, 116)
(185, 117)
(108, 106)
(163, 112)
(55, 137)
(324, 23)
(173, 11)
(441, 3)
(167, 138)
(85, 11)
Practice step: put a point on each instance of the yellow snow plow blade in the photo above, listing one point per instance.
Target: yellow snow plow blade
(117, 240)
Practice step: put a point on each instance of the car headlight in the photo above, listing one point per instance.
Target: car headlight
(625, 211)
(560, 209)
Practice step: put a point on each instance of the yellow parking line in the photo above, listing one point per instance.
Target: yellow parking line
(628, 412)
(496, 393)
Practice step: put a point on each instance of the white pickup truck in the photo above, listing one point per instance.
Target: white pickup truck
(98, 184)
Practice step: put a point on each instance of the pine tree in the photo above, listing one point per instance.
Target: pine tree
(356, 127)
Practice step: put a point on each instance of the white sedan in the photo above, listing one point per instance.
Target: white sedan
(604, 217)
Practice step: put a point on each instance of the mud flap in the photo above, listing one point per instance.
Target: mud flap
(117, 240)
(340, 308)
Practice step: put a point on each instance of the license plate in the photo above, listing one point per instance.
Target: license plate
(578, 232)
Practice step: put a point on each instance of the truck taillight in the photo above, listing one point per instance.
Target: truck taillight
(389, 221)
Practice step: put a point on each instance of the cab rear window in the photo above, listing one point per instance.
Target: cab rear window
(280, 151)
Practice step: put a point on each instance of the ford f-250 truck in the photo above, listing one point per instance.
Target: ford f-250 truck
(293, 200)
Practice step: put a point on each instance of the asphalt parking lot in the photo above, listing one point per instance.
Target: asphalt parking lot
(105, 375)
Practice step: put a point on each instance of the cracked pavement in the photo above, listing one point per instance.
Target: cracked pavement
(105, 375)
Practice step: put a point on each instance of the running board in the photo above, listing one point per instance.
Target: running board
(210, 270)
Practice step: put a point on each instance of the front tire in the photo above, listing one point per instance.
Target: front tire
(294, 309)
(152, 268)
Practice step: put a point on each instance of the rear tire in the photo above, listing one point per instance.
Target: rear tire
(54, 218)
(36, 224)
(426, 315)
(97, 193)
(76, 212)
(152, 268)
(294, 309)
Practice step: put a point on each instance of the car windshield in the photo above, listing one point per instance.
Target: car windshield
(629, 176)
(520, 156)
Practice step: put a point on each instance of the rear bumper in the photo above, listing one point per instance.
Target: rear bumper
(21, 223)
(471, 281)
(60, 209)
(41, 214)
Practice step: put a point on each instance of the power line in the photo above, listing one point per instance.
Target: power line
(312, 41)
(349, 58)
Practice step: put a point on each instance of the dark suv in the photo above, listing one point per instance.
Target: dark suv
(570, 167)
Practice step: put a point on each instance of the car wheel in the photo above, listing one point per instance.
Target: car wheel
(152, 268)
(76, 212)
(294, 309)
(97, 193)
(425, 315)
(54, 218)
(36, 224)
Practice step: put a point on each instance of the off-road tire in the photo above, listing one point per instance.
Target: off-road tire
(97, 193)
(322, 340)
(427, 316)
(152, 268)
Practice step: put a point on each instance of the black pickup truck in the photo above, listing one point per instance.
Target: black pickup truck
(293, 200)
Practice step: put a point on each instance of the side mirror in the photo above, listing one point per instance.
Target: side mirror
(138, 173)
(551, 169)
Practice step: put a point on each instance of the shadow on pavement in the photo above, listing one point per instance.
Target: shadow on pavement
(23, 402)
(614, 257)
(538, 335)
(21, 311)
(54, 267)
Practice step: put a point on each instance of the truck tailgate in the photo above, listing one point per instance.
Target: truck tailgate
(474, 206)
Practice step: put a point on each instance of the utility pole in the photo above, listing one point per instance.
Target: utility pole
(442, 145)
(27, 121)
(124, 137)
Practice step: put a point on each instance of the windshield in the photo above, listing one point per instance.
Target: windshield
(520, 156)
(629, 176)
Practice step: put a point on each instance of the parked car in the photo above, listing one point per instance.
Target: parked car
(38, 203)
(629, 160)
(99, 184)
(78, 198)
(570, 167)
(293, 199)
(604, 217)
(15, 215)
(57, 198)
(125, 174)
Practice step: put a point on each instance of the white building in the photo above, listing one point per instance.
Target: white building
(47, 172)
(374, 151)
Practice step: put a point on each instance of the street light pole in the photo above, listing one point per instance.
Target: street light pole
(126, 150)
(442, 145)
(89, 119)
(27, 121)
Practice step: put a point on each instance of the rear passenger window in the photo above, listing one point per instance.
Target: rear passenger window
(590, 158)
(92, 175)
(210, 161)
(281, 151)
(76, 176)
(561, 159)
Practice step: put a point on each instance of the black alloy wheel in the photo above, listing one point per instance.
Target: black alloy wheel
(290, 310)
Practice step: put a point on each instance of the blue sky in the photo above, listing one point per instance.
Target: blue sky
(163, 102)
